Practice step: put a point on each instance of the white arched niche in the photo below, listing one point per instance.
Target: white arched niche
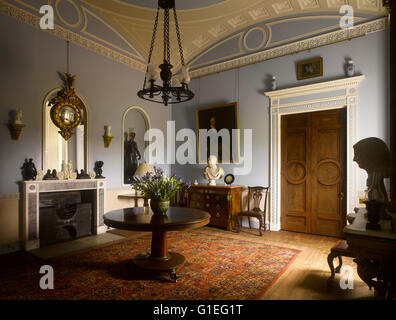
(135, 119)
(55, 148)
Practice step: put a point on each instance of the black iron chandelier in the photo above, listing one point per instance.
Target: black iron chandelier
(174, 89)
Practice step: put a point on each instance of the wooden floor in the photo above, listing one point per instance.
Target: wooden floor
(307, 277)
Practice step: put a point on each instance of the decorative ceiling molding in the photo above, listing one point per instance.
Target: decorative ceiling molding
(204, 26)
(283, 7)
(273, 34)
(88, 14)
(32, 20)
(316, 31)
(309, 4)
(295, 47)
(203, 29)
(195, 62)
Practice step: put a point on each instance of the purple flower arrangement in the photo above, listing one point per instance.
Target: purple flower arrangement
(156, 185)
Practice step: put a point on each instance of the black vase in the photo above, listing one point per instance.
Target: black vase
(374, 208)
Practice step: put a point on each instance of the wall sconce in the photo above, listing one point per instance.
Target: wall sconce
(16, 126)
(107, 136)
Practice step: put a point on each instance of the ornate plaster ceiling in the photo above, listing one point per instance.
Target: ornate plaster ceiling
(209, 22)
(213, 31)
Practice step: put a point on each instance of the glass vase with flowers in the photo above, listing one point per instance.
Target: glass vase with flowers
(159, 188)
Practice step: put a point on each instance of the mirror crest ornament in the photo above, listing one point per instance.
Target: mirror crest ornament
(66, 108)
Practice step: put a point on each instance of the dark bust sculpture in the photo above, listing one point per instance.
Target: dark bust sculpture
(82, 175)
(98, 170)
(50, 176)
(373, 155)
(29, 171)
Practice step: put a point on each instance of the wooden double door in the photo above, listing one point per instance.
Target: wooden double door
(313, 172)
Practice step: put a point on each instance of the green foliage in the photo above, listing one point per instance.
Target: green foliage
(158, 186)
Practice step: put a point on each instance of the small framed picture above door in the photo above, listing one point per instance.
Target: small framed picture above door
(310, 68)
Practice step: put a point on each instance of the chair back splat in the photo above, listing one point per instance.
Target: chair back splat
(255, 196)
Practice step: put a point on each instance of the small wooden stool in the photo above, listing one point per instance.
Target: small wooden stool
(339, 250)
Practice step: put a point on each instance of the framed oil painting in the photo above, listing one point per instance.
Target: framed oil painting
(310, 68)
(218, 117)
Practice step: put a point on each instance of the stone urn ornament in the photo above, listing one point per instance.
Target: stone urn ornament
(273, 83)
(213, 171)
(350, 68)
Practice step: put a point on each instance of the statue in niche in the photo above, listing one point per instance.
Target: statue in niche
(213, 171)
(373, 155)
(29, 171)
(132, 156)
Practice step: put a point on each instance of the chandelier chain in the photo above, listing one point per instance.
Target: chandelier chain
(153, 37)
(68, 57)
(166, 36)
(178, 37)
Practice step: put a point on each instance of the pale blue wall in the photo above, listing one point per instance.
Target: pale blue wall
(246, 86)
(30, 60)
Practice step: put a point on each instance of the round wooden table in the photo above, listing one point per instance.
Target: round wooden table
(142, 219)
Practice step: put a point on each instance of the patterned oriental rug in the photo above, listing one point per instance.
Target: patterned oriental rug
(217, 268)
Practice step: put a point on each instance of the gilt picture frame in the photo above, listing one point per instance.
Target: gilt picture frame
(218, 117)
(310, 68)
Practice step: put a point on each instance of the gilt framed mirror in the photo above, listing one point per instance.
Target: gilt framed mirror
(55, 148)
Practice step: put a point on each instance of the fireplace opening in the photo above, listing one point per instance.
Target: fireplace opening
(65, 216)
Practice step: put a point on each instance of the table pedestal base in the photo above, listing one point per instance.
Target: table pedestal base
(172, 261)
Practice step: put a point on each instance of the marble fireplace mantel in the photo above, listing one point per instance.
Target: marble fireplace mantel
(31, 209)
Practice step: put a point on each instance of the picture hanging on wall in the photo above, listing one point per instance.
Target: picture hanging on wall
(218, 117)
(310, 68)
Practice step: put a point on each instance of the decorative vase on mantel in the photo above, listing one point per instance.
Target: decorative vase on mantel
(159, 207)
(350, 68)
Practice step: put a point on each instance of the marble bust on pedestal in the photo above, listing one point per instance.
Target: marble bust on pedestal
(373, 156)
(213, 171)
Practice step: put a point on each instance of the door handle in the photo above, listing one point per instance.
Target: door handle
(341, 195)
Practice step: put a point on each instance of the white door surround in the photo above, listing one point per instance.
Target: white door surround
(321, 96)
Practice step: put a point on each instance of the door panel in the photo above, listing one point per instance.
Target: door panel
(295, 173)
(327, 180)
(312, 172)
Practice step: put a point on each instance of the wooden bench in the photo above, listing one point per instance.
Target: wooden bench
(339, 250)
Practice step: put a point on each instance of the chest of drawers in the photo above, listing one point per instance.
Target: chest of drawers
(222, 202)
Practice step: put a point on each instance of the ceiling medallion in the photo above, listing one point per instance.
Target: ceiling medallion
(174, 89)
(66, 108)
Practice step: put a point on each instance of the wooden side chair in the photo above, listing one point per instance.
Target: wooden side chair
(255, 196)
(339, 250)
